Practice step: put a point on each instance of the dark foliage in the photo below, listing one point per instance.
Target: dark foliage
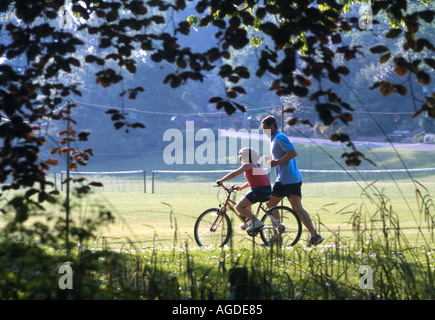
(305, 37)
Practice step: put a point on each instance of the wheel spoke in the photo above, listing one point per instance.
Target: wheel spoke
(212, 229)
(282, 226)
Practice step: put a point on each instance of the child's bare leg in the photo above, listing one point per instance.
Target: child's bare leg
(242, 207)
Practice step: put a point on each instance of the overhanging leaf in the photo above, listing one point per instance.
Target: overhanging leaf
(378, 49)
(393, 33)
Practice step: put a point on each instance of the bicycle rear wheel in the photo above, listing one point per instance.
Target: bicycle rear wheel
(282, 225)
(212, 229)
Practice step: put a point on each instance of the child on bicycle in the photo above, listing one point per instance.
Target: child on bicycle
(256, 179)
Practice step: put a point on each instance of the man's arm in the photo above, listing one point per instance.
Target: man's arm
(285, 158)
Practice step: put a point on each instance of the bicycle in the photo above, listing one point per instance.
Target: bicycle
(282, 224)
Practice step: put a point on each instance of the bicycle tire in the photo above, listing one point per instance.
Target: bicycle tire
(205, 236)
(288, 218)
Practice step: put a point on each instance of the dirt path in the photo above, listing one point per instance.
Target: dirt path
(368, 144)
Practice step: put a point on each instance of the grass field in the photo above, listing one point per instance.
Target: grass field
(333, 200)
(377, 222)
(159, 219)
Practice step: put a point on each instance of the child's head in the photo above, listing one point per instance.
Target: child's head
(247, 155)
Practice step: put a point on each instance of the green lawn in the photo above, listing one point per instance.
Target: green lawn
(333, 200)
(152, 232)
(359, 216)
(157, 219)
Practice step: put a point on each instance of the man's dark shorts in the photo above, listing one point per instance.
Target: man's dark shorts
(259, 194)
(284, 190)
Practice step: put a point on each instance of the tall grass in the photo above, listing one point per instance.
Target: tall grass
(402, 268)
(327, 272)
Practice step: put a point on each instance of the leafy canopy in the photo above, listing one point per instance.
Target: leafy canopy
(298, 41)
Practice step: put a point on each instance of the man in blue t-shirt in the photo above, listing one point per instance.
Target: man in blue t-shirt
(288, 177)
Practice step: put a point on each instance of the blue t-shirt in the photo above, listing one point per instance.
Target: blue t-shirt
(287, 172)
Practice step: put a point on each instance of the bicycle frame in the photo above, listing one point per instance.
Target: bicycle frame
(282, 225)
(229, 202)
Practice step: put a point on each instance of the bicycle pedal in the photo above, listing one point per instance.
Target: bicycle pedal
(253, 233)
(281, 228)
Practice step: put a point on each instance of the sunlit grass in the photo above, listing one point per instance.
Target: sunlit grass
(386, 225)
(157, 258)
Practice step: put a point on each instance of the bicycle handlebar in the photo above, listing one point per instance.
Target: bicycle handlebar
(230, 189)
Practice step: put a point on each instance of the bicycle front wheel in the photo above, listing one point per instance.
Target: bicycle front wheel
(212, 229)
(282, 225)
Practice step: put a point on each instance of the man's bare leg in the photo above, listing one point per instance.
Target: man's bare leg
(296, 204)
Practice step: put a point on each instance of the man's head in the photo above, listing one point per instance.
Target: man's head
(269, 125)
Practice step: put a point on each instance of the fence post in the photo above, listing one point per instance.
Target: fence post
(144, 182)
(68, 163)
